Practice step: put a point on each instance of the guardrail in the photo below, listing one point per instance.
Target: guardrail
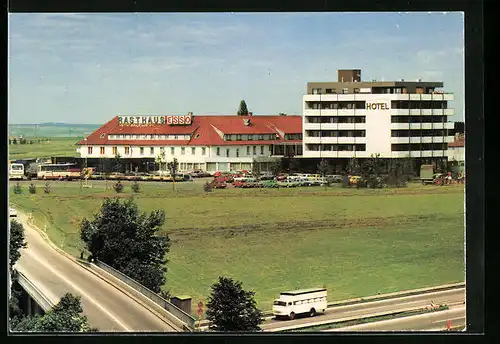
(175, 311)
(373, 298)
(34, 292)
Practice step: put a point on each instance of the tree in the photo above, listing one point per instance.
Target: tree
(353, 168)
(371, 171)
(63, 317)
(275, 168)
(173, 167)
(243, 110)
(16, 242)
(323, 168)
(127, 240)
(256, 169)
(117, 163)
(160, 160)
(14, 141)
(230, 308)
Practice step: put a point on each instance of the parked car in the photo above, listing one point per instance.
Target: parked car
(269, 184)
(12, 212)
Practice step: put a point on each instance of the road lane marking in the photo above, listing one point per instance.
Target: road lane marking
(87, 296)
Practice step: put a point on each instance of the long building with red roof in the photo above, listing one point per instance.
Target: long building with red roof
(210, 143)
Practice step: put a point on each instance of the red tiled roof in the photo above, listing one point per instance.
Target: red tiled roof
(458, 142)
(203, 130)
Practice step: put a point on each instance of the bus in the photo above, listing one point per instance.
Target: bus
(300, 301)
(66, 171)
(16, 171)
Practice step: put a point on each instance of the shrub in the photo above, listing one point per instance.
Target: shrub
(136, 187)
(46, 188)
(118, 187)
(18, 189)
(165, 294)
(32, 188)
(208, 187)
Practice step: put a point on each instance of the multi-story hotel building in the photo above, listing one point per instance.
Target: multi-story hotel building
(210, 143)
(353, 118)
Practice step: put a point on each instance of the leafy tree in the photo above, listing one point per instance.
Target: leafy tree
(118, 186)
(207, 187)
(230, 308)
(275, 168)
(63, 317)
(16, 242)
(14, 141)
(127, 240)
(46, 188)
(173, 167)
(256, 169)
(353, 167)
(32, 188)
(243, 110)
(117, 163)
(371, 171)
(323, 168)
(22, 141)
(136, 187)
(18, 189)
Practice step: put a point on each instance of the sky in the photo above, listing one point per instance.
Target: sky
(89, 67)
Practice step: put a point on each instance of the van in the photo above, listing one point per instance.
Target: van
(291, 303)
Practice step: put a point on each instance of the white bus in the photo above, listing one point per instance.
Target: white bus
(16, 171)
(58, 171)
(301, 301)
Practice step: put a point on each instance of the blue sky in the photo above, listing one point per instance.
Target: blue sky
(86, 68)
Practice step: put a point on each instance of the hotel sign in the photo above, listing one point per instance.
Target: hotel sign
(377, 106)
(155, 120)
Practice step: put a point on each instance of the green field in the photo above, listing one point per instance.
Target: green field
(56, 146)
(354, 242)
(51, 130)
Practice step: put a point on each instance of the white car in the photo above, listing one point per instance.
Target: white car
(12, 212)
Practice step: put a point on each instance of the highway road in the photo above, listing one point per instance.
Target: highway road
(106, 307)
(368, 308)
(436, 321)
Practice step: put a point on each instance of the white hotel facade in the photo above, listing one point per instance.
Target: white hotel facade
(397, 119)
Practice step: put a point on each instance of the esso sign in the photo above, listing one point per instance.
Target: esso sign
(179, 120)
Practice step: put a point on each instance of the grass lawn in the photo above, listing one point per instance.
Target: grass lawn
(355, 242)
(57, 146)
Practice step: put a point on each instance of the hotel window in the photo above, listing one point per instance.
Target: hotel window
(163, 137)
(183, 150)
(254, 150)
(134, 137)
(151, 150)
(228, 137)
(261, 137)
(218, 150)
(227, 153)
(345, 90)
(176, 137)
(248, 150)
(193, 150)
(203, 150)
(121, 136)
(127, 137)
(316, 91)
(89, 150)
(250, 137)
(172, 150)
(141, 150)
(115, 150)
(328, 91)
(356, 90)
(238, 137)
(102, 150)
(261, 150)
(237, 152)
(127, 150)
(151, 137)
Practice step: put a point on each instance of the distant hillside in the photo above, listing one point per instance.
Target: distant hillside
(52, 130)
